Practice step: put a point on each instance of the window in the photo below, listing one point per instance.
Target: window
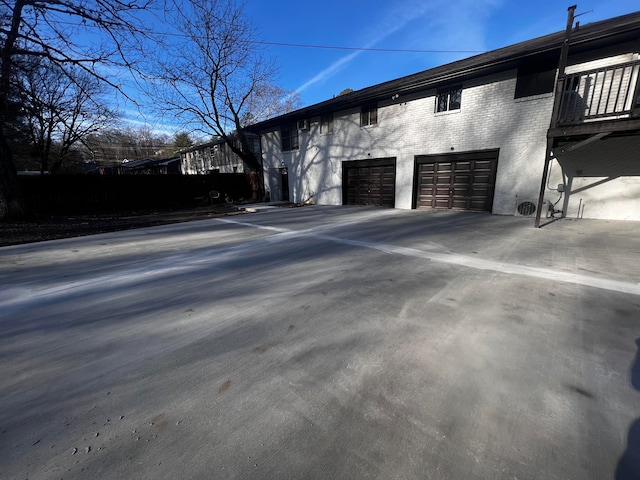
(254, 145)
(536, 78)
(290, 137)
(369, 115)
(326, 123)
(449, 99)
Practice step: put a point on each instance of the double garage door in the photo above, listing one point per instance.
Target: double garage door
(461, 181)
(369, 182)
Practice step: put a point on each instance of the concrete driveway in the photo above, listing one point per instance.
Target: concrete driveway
(324, 343)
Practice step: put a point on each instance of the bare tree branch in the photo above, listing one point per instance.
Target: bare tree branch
(79, 37)
(60, 112)
(214, 84)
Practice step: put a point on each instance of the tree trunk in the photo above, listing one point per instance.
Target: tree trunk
(257, 184)
(11, 202)
(249, 159)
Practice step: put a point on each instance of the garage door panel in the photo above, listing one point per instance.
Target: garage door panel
(462, 166)
(482, 192)
(369, 182)
(456, 181)
(461, 179)
(482, 178)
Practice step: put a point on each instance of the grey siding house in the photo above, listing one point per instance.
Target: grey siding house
(215, 157)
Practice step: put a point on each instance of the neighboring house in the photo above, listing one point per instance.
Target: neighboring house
(215, 157)
(472, 135)
(148, 166)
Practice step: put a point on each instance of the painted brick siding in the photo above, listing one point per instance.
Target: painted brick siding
(408, 126)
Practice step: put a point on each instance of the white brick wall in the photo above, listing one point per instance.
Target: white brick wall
(490, 118)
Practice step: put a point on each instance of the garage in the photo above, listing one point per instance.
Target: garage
(456, 181)
(369, 182)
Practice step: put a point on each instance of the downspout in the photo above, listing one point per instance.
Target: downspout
(564, 55)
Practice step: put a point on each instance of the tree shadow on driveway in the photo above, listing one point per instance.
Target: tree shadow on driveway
(629, 464)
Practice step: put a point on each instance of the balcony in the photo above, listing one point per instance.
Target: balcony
(600, 100)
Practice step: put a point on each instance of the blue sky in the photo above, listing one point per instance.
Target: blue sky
(450, 25)
(451, 29)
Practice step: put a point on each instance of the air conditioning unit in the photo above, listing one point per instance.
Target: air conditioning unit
(526, 207)
(303, 124)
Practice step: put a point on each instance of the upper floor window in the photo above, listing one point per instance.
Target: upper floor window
(254, 144)
(290, 137)
(536, 78)
(369, 115)
(326, 123)
(449, 99)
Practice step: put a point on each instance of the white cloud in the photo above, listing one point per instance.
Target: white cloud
(329, 71)
(390, 23)
(437, 24)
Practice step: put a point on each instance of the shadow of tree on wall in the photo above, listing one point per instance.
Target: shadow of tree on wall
(629, 464)
(408, 126)
(315, 168)
(318, 166)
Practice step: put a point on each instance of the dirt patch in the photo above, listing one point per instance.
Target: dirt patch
(39, 228)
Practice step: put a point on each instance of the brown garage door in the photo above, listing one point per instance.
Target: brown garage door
(460, 181)
(369, 182)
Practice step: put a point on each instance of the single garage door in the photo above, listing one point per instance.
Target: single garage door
(369, 182)
(459, 181)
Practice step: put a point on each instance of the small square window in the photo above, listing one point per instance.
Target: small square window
(450, 99)
(536, 77)
(369, 115)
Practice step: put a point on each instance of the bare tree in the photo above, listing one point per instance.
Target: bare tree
(268, 101)
(220, 81)
(54, 30)
(61, 113)
(113, 146)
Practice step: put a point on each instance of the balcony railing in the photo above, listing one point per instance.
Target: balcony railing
(600, 94)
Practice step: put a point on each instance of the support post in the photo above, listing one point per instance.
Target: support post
(560, 84)
(543, 185)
